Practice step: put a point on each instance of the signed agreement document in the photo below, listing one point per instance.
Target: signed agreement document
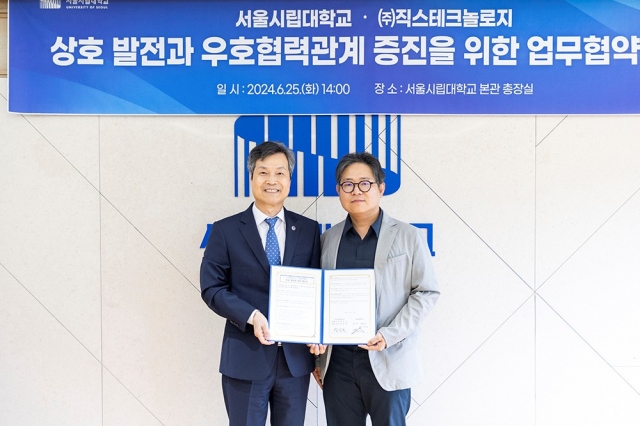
(322, 306)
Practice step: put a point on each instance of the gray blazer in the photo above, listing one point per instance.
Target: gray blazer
(406, 291)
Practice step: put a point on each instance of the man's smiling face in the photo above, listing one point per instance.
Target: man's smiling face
(270, 183)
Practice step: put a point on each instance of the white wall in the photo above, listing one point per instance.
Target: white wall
(536, 235)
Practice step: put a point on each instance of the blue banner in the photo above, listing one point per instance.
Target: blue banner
(324, 57)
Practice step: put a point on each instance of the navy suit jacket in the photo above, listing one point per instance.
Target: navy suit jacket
(234, 280)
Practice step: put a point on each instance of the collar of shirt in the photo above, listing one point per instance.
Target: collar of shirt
(260, 217)
(375, 225)
(263, 227)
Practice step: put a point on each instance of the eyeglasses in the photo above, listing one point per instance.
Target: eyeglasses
(364, 186)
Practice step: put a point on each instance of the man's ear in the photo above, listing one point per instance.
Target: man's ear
(382, 186)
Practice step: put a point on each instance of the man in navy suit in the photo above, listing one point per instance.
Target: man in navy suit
(258, 373)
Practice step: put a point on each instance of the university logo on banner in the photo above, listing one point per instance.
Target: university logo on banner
(50, 4)
(318, 143)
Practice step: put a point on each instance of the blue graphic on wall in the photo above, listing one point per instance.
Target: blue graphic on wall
(318, 143)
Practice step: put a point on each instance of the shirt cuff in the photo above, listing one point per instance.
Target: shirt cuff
(253, 314)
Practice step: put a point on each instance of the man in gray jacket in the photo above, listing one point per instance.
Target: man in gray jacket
(376, 378)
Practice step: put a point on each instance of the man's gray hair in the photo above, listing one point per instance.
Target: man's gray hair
(267, 148)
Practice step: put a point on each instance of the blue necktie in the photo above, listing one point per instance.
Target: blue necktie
(272, 248)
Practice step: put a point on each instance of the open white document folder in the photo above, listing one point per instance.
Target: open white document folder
(322, 306)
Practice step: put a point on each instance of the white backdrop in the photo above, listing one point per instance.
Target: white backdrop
(536, 235)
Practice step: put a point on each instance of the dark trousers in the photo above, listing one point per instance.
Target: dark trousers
(286, 396)
(351, 391)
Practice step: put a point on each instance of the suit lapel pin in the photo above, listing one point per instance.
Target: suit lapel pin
(293, 228)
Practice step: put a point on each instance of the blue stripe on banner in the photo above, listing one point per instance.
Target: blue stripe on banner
(360, 137)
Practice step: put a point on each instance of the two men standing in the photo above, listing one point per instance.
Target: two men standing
(372, 379)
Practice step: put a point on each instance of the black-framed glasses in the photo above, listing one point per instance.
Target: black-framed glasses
(364, 186)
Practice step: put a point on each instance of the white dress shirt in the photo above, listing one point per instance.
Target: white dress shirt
(263, 228)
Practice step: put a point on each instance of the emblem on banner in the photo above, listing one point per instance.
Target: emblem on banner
(318, 143)
(50, 4)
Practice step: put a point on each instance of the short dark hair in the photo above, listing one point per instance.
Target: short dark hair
(267, 148)
(360, 157)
